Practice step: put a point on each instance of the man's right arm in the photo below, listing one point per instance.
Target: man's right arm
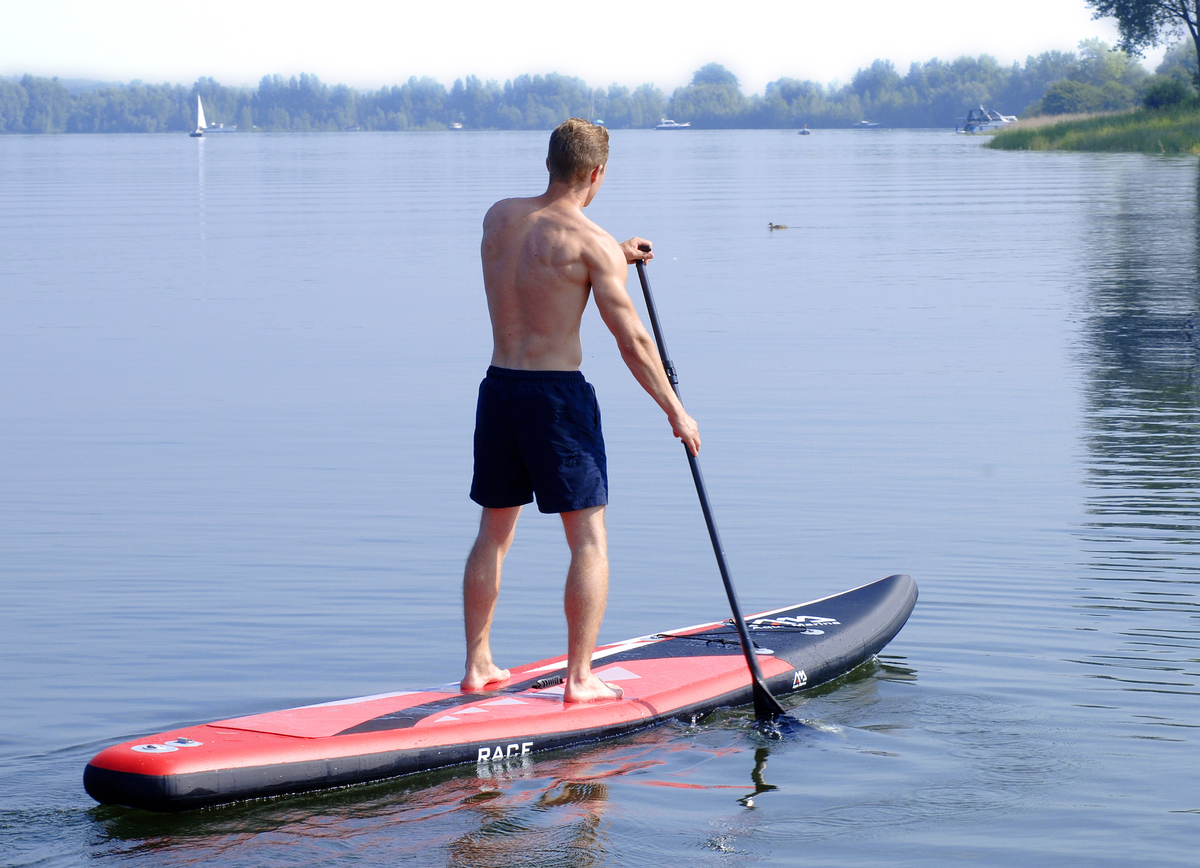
(608, 274)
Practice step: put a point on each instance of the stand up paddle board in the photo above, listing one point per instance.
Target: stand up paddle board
(677, 674)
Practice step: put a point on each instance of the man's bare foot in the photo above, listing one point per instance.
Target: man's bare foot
(477, 679)
(592, 690)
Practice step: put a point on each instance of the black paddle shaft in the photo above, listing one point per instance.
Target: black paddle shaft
(766, 706)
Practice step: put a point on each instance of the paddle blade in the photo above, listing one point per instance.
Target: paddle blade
(766, 706)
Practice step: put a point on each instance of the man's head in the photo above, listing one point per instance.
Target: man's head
(576, 148)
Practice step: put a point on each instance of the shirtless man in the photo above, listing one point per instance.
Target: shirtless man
(537, 427)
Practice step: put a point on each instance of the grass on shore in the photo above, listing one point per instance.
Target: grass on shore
(1142, 131)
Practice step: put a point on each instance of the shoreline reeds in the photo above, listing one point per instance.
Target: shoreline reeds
(1174, 130)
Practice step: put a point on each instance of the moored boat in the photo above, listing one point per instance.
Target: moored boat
(981, 119)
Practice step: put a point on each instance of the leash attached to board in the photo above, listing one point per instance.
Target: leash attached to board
(766, 706)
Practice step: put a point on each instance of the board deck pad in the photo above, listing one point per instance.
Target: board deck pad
(674, 674)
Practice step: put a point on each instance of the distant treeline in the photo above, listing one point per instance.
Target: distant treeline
(931, 94)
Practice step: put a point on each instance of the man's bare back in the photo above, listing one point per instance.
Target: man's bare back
(542, 259)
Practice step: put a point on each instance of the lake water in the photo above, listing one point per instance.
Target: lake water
(238, 375)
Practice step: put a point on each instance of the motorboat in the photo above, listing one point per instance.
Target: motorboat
(981, 119)
(864, 125)
(805, 131)
(668, 124)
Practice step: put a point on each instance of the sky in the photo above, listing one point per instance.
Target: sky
(368, 44)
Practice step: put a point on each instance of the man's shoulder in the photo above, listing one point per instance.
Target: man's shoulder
(599, 242)
(510, 207)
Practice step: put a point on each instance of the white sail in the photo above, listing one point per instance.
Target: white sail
(200, 124)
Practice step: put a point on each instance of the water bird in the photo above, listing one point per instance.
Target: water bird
(777, 226)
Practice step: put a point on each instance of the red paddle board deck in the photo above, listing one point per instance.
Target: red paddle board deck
(678, 673)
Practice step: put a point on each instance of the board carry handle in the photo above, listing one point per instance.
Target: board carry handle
(766, 706)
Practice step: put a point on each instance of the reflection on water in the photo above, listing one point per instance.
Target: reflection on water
(545, 813)
(1142, 415)
(560, 810)
(203, 221)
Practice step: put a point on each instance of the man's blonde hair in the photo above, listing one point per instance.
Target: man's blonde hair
(576, 147)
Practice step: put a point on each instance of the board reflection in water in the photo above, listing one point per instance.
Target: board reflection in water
(548, 812)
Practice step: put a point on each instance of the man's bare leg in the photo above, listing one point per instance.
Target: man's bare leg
(584, 601)
(481, 587)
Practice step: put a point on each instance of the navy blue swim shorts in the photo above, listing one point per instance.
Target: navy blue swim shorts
(538, 432)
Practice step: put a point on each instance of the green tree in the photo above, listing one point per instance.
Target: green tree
(875, 81)
(13, 103)
(343, 106)
(1100, 65)
(474, 103)
(1072, 97)
(1166, 92)
(1145, 23)
(646, 105)
(805, 101)
(47, 107)
(221, 103)
(1180, 62)
(714, 74)
(622, 108)
(543, 102)
(713, 99)
(1027, 85)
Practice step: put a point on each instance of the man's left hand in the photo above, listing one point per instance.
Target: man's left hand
(630, 249)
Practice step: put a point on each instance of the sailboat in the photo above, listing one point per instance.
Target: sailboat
(200, 125)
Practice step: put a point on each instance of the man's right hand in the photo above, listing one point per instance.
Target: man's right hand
(684, 427)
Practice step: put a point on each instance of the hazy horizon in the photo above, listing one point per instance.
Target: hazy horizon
(368, 47)
(91, 82)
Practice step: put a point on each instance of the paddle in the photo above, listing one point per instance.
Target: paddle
(766, 706)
